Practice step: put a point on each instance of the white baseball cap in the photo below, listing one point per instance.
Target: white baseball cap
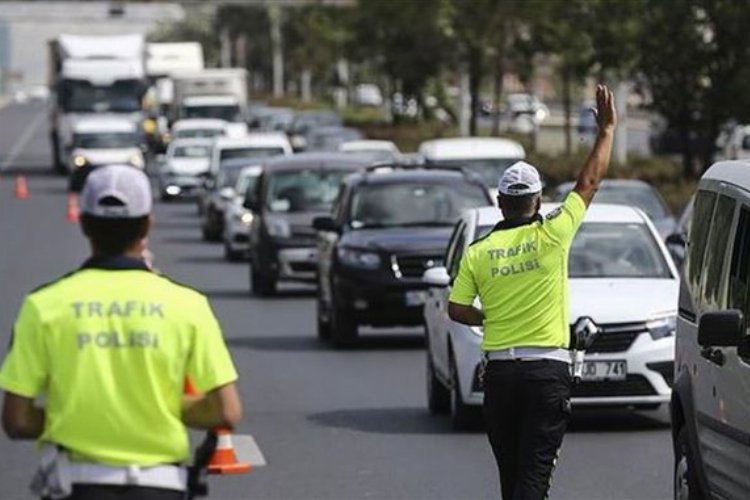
(520, 179)
(116, 191)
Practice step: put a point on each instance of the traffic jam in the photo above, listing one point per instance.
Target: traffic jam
(304, 205)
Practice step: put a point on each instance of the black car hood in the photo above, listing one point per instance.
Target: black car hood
(433, 240)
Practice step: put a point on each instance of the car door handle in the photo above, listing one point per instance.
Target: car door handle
(714, 355)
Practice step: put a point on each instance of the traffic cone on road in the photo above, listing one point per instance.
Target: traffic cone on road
(224, 459)
(21, 190)
(71, 214)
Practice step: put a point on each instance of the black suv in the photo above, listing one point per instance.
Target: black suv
(387, 227)
(290, 193)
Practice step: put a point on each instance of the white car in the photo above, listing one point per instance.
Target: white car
(192, 128)
(621, 277)
(379, 151)
(237, 218)
(184, 167)
(252, 145)
(487, 157)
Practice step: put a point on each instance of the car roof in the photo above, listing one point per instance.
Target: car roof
(198, 123)
(731, 172)
(386, 175)
(602, 212)
(466, 148)
(254, 139)
(333, 160)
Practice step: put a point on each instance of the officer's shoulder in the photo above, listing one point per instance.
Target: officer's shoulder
(50, 286)
(480, 240)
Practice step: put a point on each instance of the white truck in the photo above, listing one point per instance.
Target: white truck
(211, 93)
(93, 75)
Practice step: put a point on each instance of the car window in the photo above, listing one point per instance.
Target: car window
(716, 247)
(192, 151)
(228, 175)
(413, 203)
(739, 272)
(232, 153)
(703, 210)
(199, 133)
(309, 190)
(487, 169)
(641, 197)
(616, 250)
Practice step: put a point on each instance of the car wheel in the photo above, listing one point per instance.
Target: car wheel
(324, 320)
(231, 255)
(344, 327)
(463, 416)
(685, 479)
(438, 396)
(261, 283)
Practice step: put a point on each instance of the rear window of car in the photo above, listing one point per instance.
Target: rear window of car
(232, 153)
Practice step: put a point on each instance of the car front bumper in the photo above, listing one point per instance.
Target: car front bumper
(180, 185)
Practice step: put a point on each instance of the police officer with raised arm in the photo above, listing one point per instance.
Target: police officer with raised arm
(109, 346)
(519, 271)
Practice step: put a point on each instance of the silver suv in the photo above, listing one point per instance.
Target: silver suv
(710, 404)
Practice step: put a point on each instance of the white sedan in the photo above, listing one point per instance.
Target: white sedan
(237, 218)
(621, 277)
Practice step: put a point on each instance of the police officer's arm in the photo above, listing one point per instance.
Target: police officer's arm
(463, 293)
(598, 161)
(21, 418)
(220, 407)
(468, 315)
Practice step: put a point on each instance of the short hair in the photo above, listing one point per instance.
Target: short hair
(114, 236)
(516, 206)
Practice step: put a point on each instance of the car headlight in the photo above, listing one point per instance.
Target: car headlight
(79, 161)
(662, 327)
(245, 218)
(136, 160)
(278, 228)
(358, 258)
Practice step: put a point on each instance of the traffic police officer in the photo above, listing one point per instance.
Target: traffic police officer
(519, 273)
(109, 346)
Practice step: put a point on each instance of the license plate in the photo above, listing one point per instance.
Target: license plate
(415, 298)
(604, 370)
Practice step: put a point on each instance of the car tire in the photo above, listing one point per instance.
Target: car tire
(261, 283)
(685, 478)
(323, 322)
(343, 327)
(463, 416)
(438, 396)
(232, 255)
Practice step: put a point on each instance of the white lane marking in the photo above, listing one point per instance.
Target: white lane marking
(247, 450)
(23, 141)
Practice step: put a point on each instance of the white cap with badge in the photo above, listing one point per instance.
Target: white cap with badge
(520, 179)
(116, 191)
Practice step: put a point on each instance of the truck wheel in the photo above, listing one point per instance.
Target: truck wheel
(685, 478)
(463, 416)
(344, 327)
(438, 396)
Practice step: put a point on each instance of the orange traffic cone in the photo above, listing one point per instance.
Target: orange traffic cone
(224, 460)
(71, 214)
(21, 190)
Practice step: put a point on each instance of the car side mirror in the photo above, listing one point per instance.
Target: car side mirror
(675, 239)
(722, 329)
(227, 193)
(436, 276)
(326, 224)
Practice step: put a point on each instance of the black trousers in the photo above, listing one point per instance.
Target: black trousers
(109, 492)
(526, 412)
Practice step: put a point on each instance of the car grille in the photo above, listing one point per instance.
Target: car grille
(633, 385)
(414, 266)
(303, 267)
(617, 337)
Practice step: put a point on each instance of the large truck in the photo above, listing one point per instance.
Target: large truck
(163, 62)
(93, 75)
(211, 93)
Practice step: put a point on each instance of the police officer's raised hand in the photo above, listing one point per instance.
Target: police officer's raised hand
(605, 112)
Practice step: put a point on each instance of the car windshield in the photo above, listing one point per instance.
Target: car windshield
(106, 140)
(233, 153)
(611, 250)
(200, 133)
(245, 182)
(192, 152)
(228, 175)
(228, 113)
(638, 196)
(488, 169)
(413, 203)
(309, 190)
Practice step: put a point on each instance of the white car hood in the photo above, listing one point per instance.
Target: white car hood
(622, 300)
(189, 166)
(108, 156)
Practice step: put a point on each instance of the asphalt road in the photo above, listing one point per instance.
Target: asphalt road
(331, 424)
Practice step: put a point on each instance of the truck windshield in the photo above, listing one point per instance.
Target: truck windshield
(235, 153)
(230, 113)
(82, 97)
(106, 140)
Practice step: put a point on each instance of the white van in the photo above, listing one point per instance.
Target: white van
(710, 404)
(253, 145)
(488, 157)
